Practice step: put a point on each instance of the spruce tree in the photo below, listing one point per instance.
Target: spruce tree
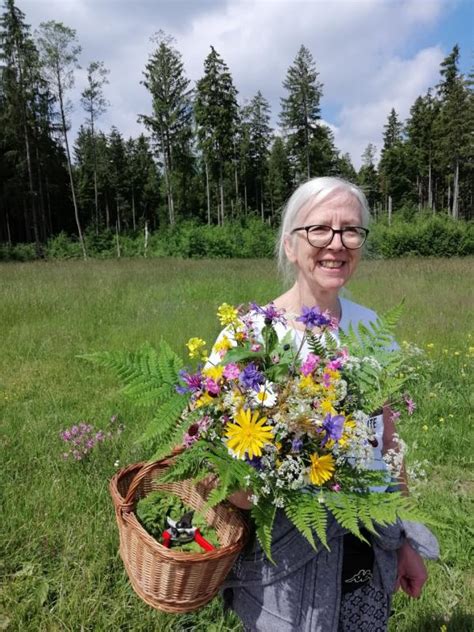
(255, 148)
(300, 111)
(216, 114)
(170, 121)
(453, 130)
(279, 182)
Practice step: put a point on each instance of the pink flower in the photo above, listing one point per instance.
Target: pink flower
(334, 365)
(394, 415)
(231, 371)
(212, 387)
(309, 364)
(255, 347)
(410, 405)
(336, 487)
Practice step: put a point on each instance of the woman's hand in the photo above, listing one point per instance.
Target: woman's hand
(411, 571)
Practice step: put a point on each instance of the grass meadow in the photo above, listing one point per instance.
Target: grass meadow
(59, 561)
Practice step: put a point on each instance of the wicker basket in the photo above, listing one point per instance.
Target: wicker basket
(169, 580)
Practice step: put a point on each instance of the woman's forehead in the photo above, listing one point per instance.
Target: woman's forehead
(341, 203)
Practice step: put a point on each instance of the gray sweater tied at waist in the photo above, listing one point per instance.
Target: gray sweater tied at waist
(301, 592)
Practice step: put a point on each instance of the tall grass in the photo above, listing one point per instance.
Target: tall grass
(60, 566)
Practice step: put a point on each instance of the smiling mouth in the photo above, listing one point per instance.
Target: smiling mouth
(331, 265)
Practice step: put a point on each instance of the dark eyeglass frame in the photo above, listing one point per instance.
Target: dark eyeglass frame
(335, 231)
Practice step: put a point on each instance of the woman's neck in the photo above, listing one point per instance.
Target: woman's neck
(301, 295)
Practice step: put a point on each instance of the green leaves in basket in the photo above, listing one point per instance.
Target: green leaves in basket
(153, 509)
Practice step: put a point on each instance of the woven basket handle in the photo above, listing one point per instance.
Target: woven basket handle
(128, 503)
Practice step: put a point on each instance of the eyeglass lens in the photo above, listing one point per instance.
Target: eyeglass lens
(351, 236)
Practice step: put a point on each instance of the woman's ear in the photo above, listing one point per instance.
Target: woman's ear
(290, 247)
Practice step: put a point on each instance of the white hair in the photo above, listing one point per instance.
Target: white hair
(316, 189)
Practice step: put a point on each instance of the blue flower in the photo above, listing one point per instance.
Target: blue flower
(251, 377)
(333, 427)
(313, 317)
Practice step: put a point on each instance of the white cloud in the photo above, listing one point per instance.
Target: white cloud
(360, 48)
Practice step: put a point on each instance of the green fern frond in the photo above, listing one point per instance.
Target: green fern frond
(186, 465)
(308, 515)
(148, 376)
(344, 509)
(166, 419)
(263, 515)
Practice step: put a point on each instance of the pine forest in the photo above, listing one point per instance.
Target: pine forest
(205, 155)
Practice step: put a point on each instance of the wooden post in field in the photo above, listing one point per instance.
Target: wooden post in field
(389, 210)
(146, 239)
(117, 238)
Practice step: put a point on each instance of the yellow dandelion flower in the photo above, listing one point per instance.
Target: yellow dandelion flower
(248, 434)
(214, 372)
(430, 345)
(456, 353)
(227, 314)
(425, 427)
(196, 347)
(327, 407)
(441, 418)
(322, 468)
(204, 400)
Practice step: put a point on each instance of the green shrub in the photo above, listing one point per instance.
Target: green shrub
(63, 247)
(424, 235)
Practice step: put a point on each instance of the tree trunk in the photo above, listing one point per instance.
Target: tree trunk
(69, 168)
(430, 186)
(455, 212)
(9, 235)
(117, 239)
(107, 214)
(208, 195)
(32, 192)
(245, 198)
(146, 240)
(389, 210)
(96, 189)
(221, 189)
(133, 210)
(449, 197)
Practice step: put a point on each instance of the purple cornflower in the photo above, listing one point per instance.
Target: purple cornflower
(193, 382)
(251, 377)
(410, 405)
(333, 427)
(255, 462)
(313, 317)
(296, 445)
(270, 313)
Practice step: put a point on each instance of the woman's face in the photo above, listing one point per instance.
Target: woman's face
(332, 266)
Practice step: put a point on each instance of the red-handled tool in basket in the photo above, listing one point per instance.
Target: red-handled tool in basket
(182, 531)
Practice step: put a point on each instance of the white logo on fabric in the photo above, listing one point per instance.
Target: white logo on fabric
(360, 577)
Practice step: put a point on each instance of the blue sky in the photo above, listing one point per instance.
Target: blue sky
(372, 55)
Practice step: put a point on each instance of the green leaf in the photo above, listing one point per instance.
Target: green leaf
(264, 516)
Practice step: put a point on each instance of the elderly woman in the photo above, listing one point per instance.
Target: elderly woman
(348, 588)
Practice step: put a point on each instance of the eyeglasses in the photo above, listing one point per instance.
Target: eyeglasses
(352, 237)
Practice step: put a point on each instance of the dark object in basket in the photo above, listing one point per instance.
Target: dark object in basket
(182, 531)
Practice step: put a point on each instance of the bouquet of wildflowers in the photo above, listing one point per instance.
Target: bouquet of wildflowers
(282, 416)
